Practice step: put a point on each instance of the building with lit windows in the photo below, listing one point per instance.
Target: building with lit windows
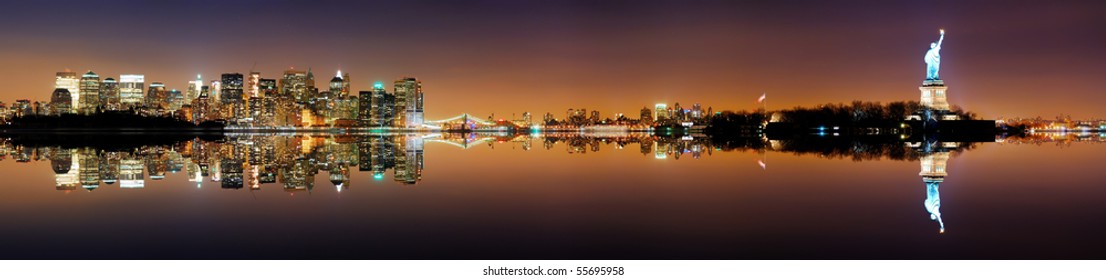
(109, 94)
(383, 107)
(156, 96)
(232, 104)
(132, 90)
(660, 112)
(409, 103)
(89, 100)
(60, 102)
(194, 88)
(69, 81)
(293, 85)
(252, 85)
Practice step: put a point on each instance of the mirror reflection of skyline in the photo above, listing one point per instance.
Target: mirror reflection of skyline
(293, 162)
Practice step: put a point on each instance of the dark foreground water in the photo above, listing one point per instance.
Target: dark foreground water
(554, 197)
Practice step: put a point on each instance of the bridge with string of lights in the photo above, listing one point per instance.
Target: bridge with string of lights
(466, 122)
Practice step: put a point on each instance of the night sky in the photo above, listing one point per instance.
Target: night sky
(999, 59)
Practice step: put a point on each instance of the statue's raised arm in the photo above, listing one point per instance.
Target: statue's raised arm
(941, 39)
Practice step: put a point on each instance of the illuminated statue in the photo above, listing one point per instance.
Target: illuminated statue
(933, 58)
(933, 203)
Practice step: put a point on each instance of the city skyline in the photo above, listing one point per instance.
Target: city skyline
(539, 57)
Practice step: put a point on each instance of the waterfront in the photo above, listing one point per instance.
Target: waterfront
(523, 197)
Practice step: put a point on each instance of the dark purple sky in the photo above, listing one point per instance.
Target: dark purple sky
(1008, 58)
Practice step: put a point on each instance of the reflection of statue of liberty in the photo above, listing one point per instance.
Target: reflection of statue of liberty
(933, 173)
(933, 58)
(933, 203)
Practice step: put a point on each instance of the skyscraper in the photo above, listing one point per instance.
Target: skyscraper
(61, 102)
(252, 84)
(345, 83)
(68, 80)
(409, 109)
(156, 96)
(89, 93)
(109, 94)
(194, 87)
(293, 85)
(231, 96)
(383, 107)
(132, 90)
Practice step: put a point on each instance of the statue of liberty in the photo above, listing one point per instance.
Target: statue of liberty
(933, 58)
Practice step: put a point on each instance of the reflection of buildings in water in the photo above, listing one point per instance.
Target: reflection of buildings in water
(409, 162)
(252, 161)
(231, 169)
(89, 169)
(66, 167)
(131, 173)
(933, 173)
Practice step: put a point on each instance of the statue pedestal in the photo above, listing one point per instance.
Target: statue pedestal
(935, 98)
(934, 95)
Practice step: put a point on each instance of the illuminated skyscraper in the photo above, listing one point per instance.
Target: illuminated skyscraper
(90, 93)
(194, 87)
(216, 89)
(175, 99)
(409, 97)
(252, 85)
(61, 102)
(132, 90)
(337, 85)
(68, 80)
(382, 107)
(660, 112)
(156, 96)
(109, 94)
(293, 85)
(345, 83)
(231, 96)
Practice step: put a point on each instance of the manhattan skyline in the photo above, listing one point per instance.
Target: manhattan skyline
(504, 57)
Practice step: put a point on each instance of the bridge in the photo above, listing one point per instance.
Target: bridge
(466, 122)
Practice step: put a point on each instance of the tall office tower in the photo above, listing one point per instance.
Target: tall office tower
(201, 106)
(293, 85)
(310, 81)
(216, 90)
(109, 94)
(175, 99)
(230, 95)
(194, 87)
(383, 106)
(345, 83)
(646, 116)
(132, 90)
(660, 112)
(336, 86)
(68, 80)
(61, 102)
(252, 85)
(266, 88)
(409, 110)
(90, 93)
(156, 96)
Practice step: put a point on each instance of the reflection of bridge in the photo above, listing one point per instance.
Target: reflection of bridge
(469, 140)
(466, 122)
